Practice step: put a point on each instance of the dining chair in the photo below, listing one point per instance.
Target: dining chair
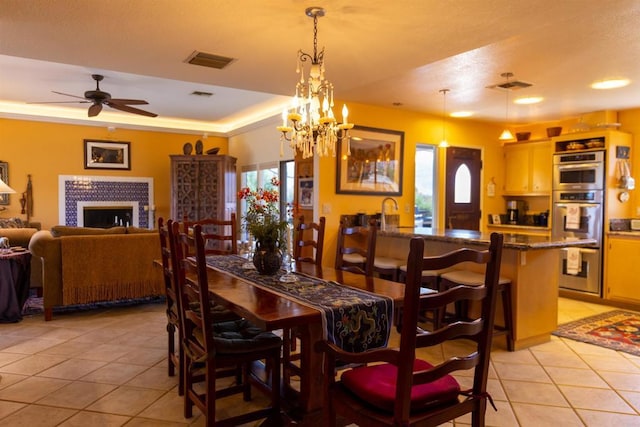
(405, 390)
(175, 357)
(300, 254)
(209, 347)
(308, 235)
(221, 236)
(356, 247)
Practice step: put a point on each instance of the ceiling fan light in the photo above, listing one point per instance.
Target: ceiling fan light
(506, 135)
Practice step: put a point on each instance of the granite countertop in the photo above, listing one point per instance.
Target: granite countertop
(521, 242)
(520, 227)
(627, 233)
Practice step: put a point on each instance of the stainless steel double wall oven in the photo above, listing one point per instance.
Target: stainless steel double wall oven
(578, 211)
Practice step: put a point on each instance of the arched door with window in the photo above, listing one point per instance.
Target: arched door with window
(462, 209)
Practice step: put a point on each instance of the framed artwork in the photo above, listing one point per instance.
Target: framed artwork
(4, 175)
(106, 154)
(370, 162)
(305, 193)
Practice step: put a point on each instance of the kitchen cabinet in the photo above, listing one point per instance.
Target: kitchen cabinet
(528, 168)
(623, 269)
(203, 186)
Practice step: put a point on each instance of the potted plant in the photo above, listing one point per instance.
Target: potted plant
(263, 222)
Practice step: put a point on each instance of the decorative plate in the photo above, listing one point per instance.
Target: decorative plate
(198, 147)
(187, 148)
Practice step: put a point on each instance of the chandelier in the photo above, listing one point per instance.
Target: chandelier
(311, 116)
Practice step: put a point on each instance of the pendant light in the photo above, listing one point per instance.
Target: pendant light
(506, 133)
(444, 143)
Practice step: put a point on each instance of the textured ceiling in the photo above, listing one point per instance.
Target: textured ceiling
(377, 52)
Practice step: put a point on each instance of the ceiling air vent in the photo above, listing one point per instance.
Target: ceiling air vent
(201, 93)
(209, 60)
(510, 85)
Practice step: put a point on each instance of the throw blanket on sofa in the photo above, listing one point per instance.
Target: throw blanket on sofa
(109, 268)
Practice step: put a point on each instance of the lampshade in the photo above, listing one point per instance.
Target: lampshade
(506, 135)
(444, 143)
(5, 189)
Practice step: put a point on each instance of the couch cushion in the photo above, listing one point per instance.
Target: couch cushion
(11, 223)
(64, 230)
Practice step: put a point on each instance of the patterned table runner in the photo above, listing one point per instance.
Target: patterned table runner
(353, 319)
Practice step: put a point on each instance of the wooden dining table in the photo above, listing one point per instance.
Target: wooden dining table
(271, 310)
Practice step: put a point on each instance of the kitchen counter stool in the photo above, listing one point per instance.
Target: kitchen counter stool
(455, 278)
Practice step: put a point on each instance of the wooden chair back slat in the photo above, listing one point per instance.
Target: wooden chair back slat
(348, 243)
(300, 242)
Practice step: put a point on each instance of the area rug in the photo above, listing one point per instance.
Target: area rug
(34, 305)
(617, 330)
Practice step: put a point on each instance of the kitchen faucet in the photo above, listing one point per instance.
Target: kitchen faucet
(383, 222)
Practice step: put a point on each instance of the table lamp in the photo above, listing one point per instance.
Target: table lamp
(5, 189)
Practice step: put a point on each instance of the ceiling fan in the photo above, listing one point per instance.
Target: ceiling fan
(99, 98)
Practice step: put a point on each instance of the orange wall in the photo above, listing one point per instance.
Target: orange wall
(419, 129)
(46, 150)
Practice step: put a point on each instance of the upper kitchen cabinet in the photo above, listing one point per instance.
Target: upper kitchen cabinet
(203, 187)
(528, 168)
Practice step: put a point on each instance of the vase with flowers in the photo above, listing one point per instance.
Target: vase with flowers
(263, 222)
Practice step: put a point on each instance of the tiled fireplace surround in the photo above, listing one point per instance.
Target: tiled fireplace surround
(78, 191)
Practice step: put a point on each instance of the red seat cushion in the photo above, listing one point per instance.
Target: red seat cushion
(376, 384)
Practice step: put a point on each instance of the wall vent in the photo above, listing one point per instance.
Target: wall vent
(209, 60)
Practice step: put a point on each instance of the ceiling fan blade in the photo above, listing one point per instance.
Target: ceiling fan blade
(95, 109)
(128, 101)
(60, 102)
(68, 94)
(130, 109)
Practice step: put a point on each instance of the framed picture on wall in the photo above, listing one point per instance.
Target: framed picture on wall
(370, 162)
(4, 175)
(305, 193)
(100, 154)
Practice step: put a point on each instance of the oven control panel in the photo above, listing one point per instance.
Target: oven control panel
(588, 196)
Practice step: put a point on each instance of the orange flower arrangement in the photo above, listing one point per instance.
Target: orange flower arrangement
(262, 220)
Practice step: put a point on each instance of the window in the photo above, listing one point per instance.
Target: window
(259, 176)
(425, 189)
(462, 191)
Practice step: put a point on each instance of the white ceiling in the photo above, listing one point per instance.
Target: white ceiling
(377, 52)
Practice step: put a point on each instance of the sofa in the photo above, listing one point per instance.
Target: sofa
(85, 265)
(19, 233)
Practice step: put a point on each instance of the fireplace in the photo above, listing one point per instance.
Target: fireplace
(98, 200)
(107, 217)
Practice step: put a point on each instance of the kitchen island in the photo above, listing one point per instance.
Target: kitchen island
(531, 262)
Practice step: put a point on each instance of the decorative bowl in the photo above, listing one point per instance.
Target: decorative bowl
(554, 131)
(523, 136)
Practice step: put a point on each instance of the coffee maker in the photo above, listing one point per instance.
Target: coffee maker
(515, 208)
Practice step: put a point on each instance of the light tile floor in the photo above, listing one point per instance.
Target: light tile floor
(108, 368)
